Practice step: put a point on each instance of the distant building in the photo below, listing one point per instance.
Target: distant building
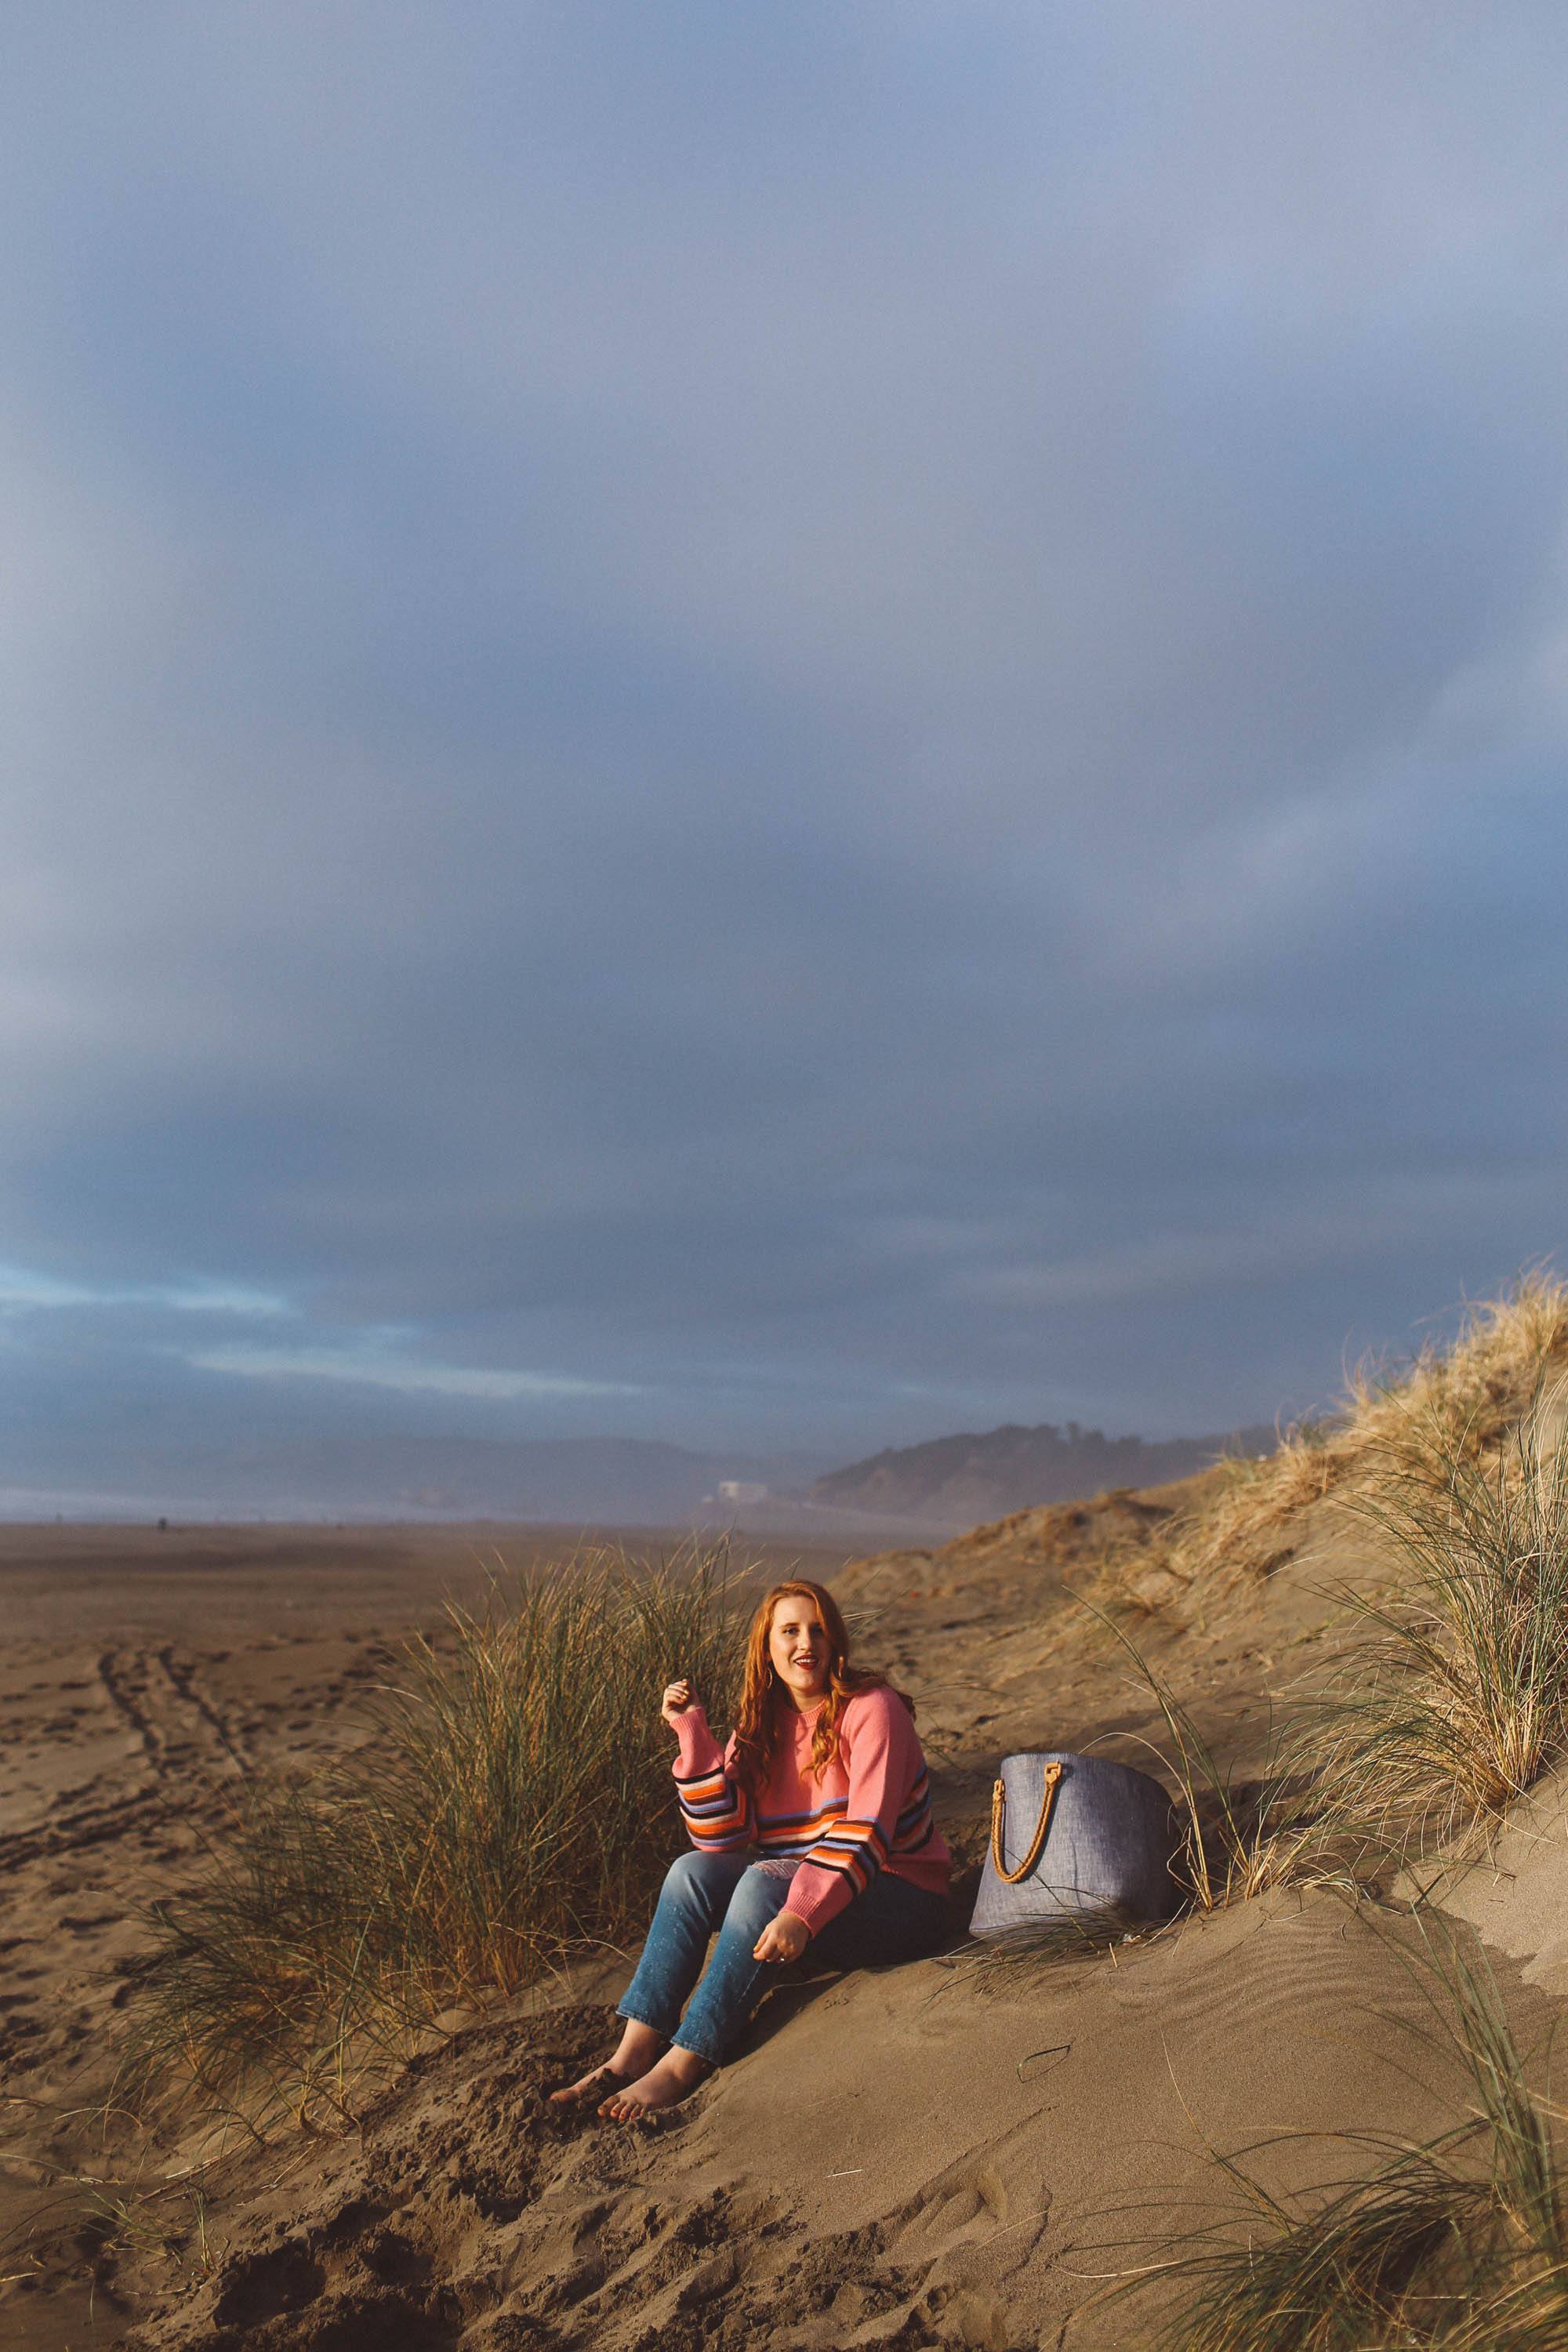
(740, 1490)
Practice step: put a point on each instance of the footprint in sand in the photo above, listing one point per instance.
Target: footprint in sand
(979, 2220)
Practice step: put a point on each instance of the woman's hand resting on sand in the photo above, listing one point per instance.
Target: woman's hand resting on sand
(677, 1700)
(783, 1939)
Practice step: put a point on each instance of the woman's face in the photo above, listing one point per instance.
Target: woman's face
(798, 1645)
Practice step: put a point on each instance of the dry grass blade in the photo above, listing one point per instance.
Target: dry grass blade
(1020, 1958)
(1457, 2242)
(504, 1809)
(1239, 1837)
(1471, 1394)
(1452, 1700)
(1341, 2279)
(1470, 2028)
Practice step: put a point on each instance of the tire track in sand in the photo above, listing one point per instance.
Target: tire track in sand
(183, 1736)
(178, 1727)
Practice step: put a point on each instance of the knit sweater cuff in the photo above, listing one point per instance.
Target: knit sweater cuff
(817, 1896)
(699, 1751)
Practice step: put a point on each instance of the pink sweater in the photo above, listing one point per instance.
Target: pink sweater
(870, 1810)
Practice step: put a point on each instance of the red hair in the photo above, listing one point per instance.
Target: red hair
(761, 1715)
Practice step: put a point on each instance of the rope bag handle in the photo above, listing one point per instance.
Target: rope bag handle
(1053, 1773)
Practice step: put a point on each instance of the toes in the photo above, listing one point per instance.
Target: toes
(581, 2094)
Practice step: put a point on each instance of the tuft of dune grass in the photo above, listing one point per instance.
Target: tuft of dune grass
(1447, 1693)
(1449, 1698)
(503, 1813)
(1467, 1396)
(1237, 1838)
(1451, 1695)
(1458, 2242)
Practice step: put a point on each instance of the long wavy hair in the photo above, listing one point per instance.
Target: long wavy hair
(764, 1707)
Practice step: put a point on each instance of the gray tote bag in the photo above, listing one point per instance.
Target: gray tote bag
(1071, 1834)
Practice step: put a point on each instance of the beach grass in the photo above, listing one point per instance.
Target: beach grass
(1238, 1835)
(1451, 1697)
(1447, 1701)
(1446, 1696)
(1458, 2240)
(502, 1816)
(1465, 1397)
(1442, 1693)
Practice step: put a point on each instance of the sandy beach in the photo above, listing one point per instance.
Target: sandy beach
(145, 1674)
(924, 2156)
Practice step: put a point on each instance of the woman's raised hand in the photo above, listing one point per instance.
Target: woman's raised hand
(676, 1699)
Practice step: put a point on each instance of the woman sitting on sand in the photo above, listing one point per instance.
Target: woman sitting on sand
(824, 1782)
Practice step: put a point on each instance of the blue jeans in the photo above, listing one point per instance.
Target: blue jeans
(704, 1892)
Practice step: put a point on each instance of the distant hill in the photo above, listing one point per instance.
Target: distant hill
(960, 1480)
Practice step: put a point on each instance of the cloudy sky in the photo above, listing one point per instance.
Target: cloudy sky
(783, 725)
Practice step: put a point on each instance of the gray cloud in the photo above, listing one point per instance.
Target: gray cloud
(778, 723)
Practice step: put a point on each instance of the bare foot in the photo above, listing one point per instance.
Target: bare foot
(636, 2051)
(674, 2078)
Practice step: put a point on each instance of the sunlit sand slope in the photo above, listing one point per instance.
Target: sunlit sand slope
(899, 2159)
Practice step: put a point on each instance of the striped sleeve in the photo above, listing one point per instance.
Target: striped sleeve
(888, 1805)
(715, 1809)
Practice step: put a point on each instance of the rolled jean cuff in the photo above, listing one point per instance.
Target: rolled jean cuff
(701, 2045)
(710, 2055)
(655, 2024)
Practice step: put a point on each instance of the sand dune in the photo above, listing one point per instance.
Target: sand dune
(896, 2160)
(925, 2157)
